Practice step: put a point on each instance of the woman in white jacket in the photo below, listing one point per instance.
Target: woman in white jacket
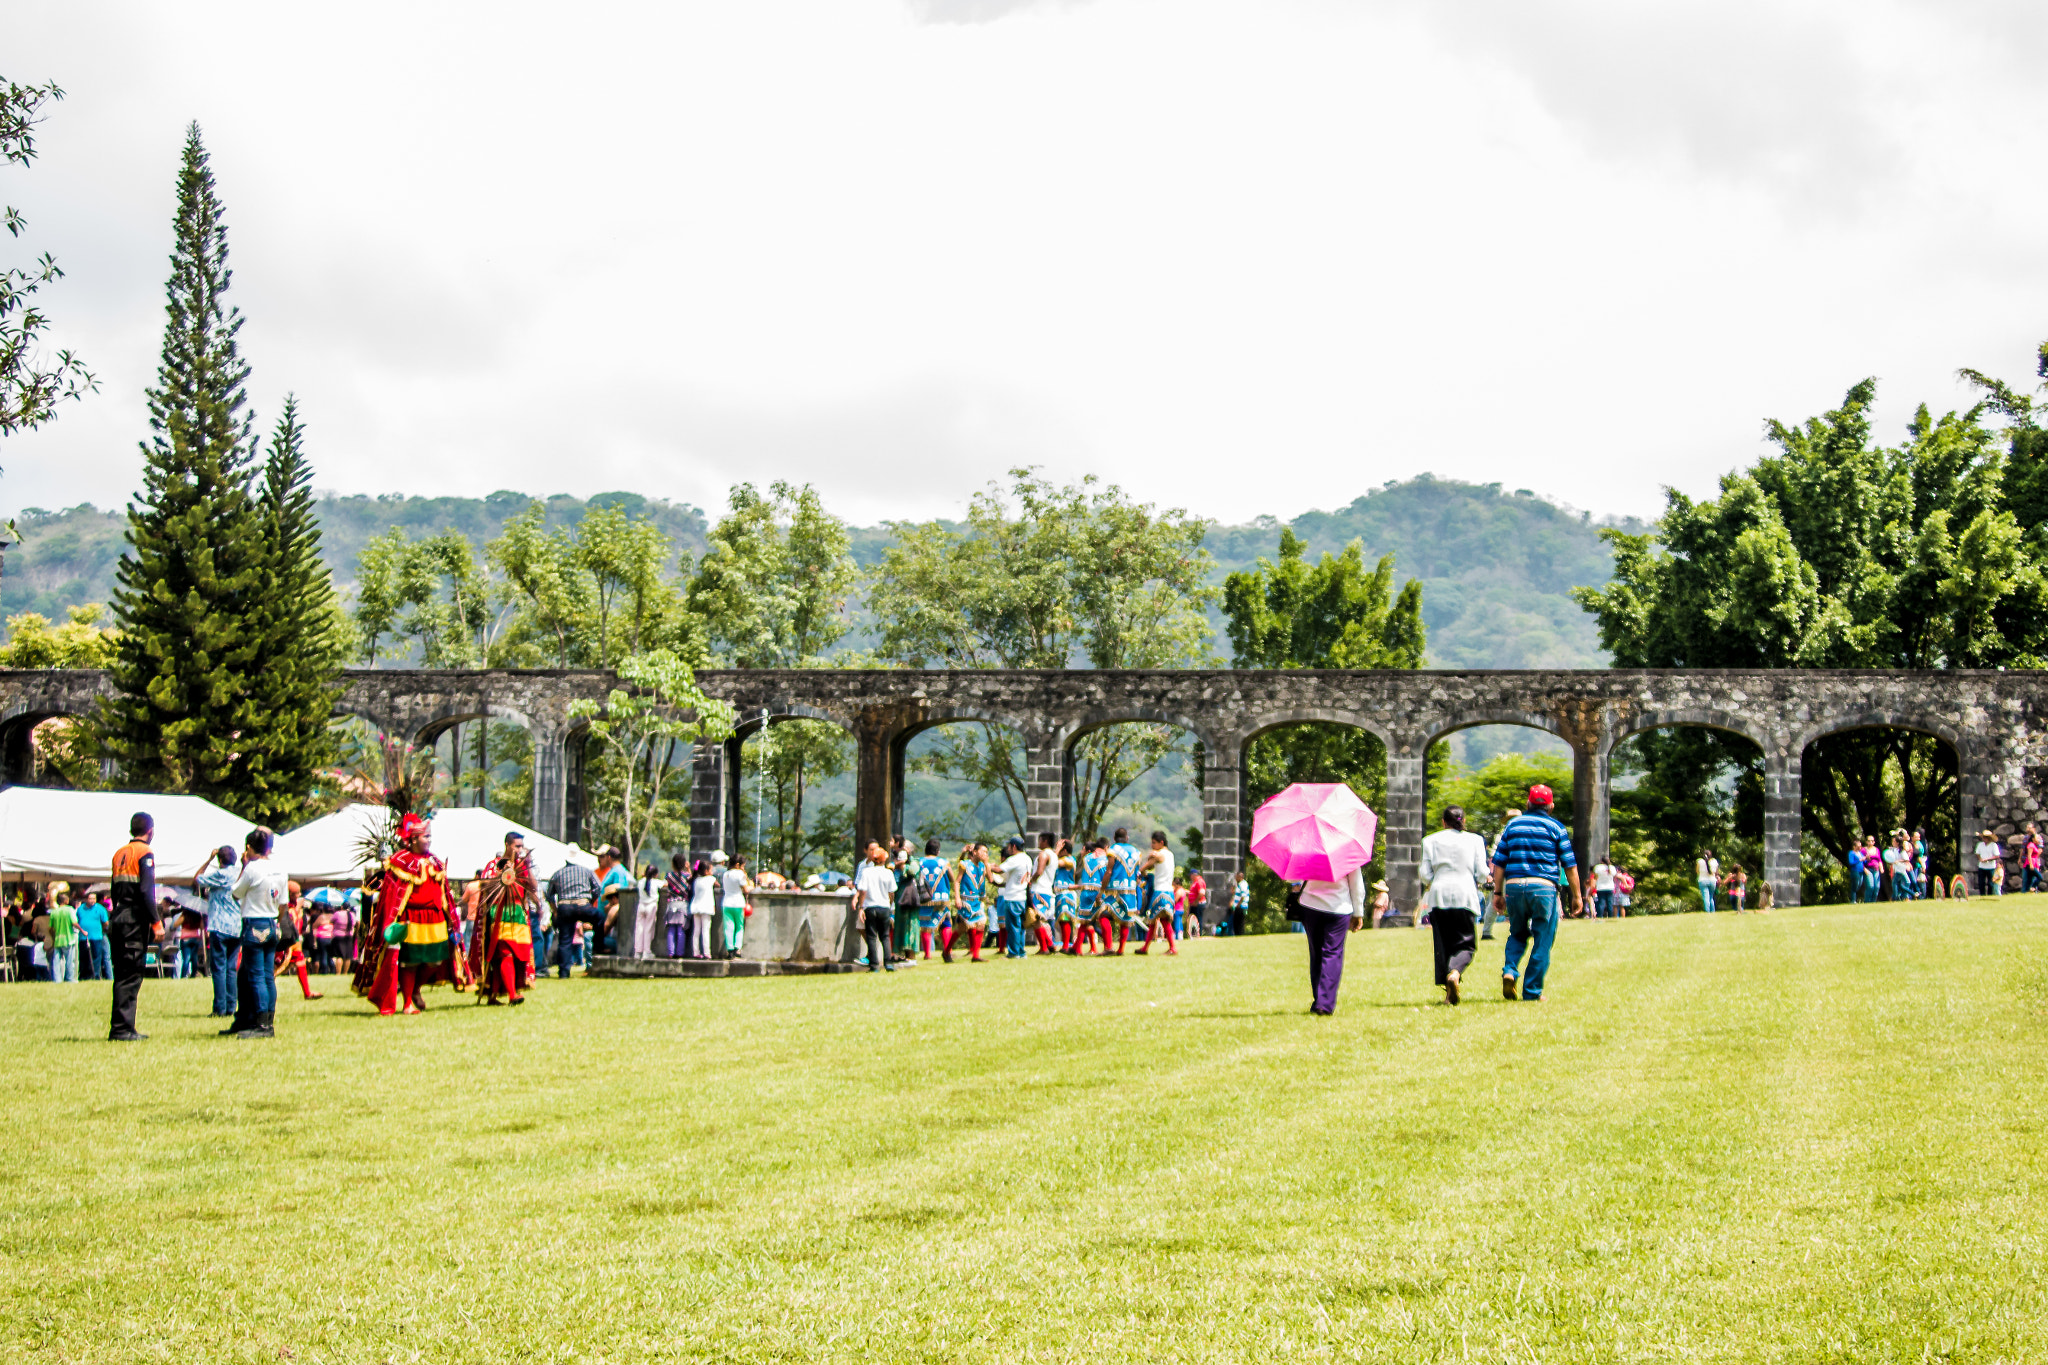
(1453, 864)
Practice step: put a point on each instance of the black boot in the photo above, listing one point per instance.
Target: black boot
(241, 1022)
(261, 1028)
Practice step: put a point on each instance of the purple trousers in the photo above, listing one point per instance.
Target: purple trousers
(678, 940)
(1326, 935)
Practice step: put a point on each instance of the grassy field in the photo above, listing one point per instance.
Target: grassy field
(1812, 1136)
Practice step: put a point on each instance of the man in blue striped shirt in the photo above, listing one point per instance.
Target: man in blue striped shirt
(1525, 875)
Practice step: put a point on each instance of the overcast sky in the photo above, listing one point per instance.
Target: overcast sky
(1244, 256)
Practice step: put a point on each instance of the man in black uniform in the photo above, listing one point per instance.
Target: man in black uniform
(133, 925)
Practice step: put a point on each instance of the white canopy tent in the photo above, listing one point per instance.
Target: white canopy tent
(49, 835)
(465, 837)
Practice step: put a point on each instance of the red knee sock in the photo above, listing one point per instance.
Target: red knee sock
(946, 939)
(305, 982)
(1166, 929)
(924, 943)
(384, 987)
(1102, 927)
(975, 935)
(409, 986)
(508, 973)
(1123, 938)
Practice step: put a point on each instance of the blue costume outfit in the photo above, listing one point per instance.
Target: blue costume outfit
(1093, 865)
(1123, 882)
(1066, 898)
(935, 893)
(973, 882)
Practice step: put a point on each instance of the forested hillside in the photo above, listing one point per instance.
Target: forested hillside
(1497, 567)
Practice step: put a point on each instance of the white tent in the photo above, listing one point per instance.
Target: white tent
(465, 837)
(48, 835)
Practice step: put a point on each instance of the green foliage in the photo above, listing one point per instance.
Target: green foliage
(1332, 614)
(80, 642)
(29, 389)
(646, 726)
(1679, 793)
(789, 758)
(585, 595)
(1075, 575)
(303, 648)
(433, 596)
(775, 582)
(196, 567)
(1501, 784)
(1835, 553)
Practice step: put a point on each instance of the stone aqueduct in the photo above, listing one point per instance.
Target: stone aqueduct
(1997, 723)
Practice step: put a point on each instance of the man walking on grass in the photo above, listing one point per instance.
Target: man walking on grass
(1526, 862)
(874, 906)
(133, 925)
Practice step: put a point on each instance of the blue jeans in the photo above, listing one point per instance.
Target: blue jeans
(100, 962)
(221, 950)
(1603, 905)
(566, 918)
(1707, 897)
(1012, 916)
(1532, 924)
(1902, 886)
(256, 976)
(188, 957)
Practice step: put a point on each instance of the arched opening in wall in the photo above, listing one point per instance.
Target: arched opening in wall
(796, 800)
(962, 781)
(46, 750)
(1137, 775)
(483, 760)
(1306, 751)
(1687, 806)
(1884, 790)
(1487, 770)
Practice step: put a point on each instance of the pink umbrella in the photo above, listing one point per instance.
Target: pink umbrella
(1314, 831)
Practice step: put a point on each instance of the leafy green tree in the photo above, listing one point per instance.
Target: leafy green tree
(30, 388)
(1835, 552)
(434, 595)
(774, 584)
(544, 572)
(647, 724)
(1330, 614)
(80, 642)
(1049, 577)
(194, 570)
(295, 616)
(1497, 786)
(790, 758)
(587, 595)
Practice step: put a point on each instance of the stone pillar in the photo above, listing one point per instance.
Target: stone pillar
(1591, 814)
(550, 783)
(1401, 823)
(1045, 784)
(1781, 824)
(1973, 791)
(874, 795)
(1223, 838)
(707, 799)
(732, 773)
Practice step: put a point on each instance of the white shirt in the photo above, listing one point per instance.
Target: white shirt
(1041, 882)
(1337, 898)
(1454, 863)
(1987, 853)
(1162, 873)
(1016, 871)
(261, 888)
(876, 884)
(1603, 877)
(735, 883)
(704, 895)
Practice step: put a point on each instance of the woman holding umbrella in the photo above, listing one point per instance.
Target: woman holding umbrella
(1320, 834)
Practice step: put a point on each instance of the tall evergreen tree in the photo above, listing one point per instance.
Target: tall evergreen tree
(298, 620)
(194, 567)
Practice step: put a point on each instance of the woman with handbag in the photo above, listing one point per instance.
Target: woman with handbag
(262, 890)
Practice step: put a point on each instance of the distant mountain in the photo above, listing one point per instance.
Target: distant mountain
(1496, 568)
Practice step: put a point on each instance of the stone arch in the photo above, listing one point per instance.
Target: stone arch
(1706, 719)
(1971, 789)
(929, 718)
(1066, 729)
(781, 710)
(17, 735)
(1472, 720)
(1276, 720)
(1871, 719)
(1059, 764)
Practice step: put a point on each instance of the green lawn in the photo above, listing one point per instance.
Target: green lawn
(1811, 1136)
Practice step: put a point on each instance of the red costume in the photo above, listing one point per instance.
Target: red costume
(501, 939)
(415, 926)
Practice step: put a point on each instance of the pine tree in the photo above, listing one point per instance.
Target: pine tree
(297, 619)
(193, 571)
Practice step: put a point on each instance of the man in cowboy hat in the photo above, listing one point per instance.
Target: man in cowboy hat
(1525, 866)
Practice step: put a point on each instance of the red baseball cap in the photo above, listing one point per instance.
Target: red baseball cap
(1540, 795)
